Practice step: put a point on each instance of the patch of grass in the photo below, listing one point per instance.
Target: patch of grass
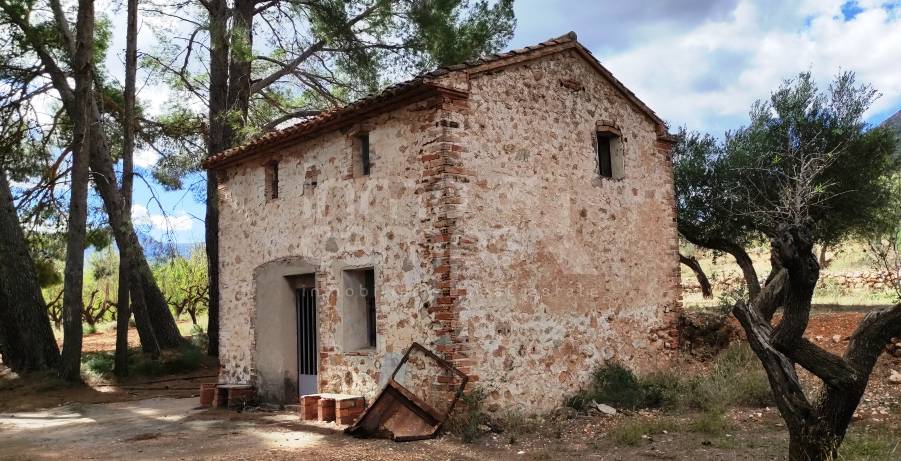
(469, 415)
(870, 445)
(735, 379)
(514, 422)
(185, 359)
(710, 422)
(632, 431)
(88, 329)
(199, 338)
(97, 364)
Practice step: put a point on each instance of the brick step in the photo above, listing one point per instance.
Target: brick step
(226, 395)
(340, 408)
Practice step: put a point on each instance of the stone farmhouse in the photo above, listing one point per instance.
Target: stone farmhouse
(514, 214)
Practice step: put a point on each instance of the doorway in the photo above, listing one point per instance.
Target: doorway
(307, 351)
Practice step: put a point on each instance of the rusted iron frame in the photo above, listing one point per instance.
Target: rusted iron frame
(418, 405)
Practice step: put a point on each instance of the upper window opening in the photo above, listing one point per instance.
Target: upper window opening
(272, 180)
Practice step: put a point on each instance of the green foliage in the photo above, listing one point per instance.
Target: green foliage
(366, 46)
(703, 179)
(804, 135)
(98, 364)
(184, 283)
(806, 155)
(449, 38)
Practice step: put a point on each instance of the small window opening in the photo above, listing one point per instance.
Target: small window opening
(610, 160)
(362, 160)
(272, 180)
(360, 310)
(605, 163)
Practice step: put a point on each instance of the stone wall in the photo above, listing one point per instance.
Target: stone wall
(334, 222)
(560, 270)
(877, 280)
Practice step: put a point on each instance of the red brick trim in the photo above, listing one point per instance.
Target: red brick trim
(442, 178)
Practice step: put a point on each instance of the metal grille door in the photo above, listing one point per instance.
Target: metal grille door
(306, 341)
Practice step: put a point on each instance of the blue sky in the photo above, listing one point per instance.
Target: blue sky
(697, 63)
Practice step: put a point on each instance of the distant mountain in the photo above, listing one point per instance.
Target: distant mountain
(893, 123)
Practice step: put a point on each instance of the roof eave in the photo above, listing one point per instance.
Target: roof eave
(341, 119)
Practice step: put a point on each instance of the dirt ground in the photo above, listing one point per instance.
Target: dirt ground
(174, 429)
(158, 418)
(34, 392)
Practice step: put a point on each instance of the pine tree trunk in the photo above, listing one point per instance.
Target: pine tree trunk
(157, 310)
(218, 107)
(101, 164)
(73, 278)
(128, 146)
(26, 338)
(211, 228)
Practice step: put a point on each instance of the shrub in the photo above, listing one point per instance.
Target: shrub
(661, 389)
(469, 415)
(514, 422)
(199, 338)
(736, 378)
(614, 384)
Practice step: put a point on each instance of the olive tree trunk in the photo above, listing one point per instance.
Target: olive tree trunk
(816, 429)
(693, 264)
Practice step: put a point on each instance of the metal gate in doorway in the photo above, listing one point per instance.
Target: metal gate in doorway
(307, 369)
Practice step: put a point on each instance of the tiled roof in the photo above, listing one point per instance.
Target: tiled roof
(418, 86)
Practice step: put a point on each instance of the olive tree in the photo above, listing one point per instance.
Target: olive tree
(806, 170)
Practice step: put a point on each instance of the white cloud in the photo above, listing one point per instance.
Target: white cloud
(177, 222)
(708, 75)
(146, 158)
